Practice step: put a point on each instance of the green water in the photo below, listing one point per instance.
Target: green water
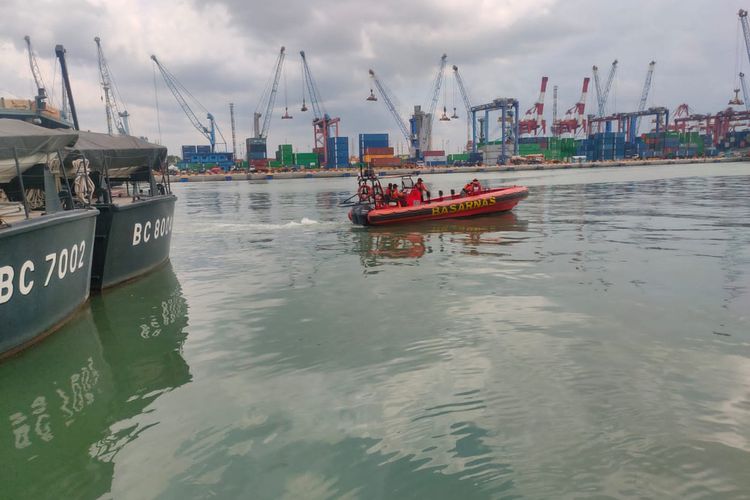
(593, 344)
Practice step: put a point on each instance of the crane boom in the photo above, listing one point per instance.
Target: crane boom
(391, 107)
(462, 90)
(116, 119)
(744, 91)
(41, 92)
(603, 93)
(324, 126)
(436, 85)
(268, 98)
(316, 102)
(644, 93)
(745, 30)
(177, 90)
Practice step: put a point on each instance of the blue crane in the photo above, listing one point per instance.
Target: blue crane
(603, 94)
(323, 125)
(179, 92)
(644, 93)
(267, 100)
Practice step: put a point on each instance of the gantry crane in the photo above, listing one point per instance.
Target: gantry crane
(324, 126)
(533, 119)
(603, 94)
(574, 117)
(465, 98)
(41, 89)
(116, 119)
(385, 94)
(179, 92)
(267, 100)
(644, 93)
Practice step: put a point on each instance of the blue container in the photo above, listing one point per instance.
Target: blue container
(203, 150)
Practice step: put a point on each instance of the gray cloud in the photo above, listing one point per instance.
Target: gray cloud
(224, 50)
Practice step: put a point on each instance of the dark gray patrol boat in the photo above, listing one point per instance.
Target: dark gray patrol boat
(46, 236)
(136, 211)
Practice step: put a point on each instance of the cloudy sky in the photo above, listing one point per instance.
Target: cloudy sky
(224, 51)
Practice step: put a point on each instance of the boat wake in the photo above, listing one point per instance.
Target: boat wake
(231, 227)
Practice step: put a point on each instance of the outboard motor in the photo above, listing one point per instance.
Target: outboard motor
(358, 214)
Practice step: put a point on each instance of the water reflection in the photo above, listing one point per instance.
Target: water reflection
(64, 402)
(412, 241)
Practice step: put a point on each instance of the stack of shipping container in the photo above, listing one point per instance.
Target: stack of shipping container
(338, 152)
(368, 141)
(553, 148)
(435, 158)
(201, 158)
(603, 146)
(381, 157)
(459, 158)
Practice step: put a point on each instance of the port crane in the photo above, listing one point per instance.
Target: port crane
(41, 88)
(385, 94)
(533, 119)
(573, 120)
(426, 135)
(116, 120)
(324, 126)
(180, 92)
(603, 93)
(67, 91)
(465, 98)
(644, 93)
(267, 100)
(744, 91)
(234, 132)
(742, 14)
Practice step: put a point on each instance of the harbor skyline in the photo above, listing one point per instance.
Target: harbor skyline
(224, 51)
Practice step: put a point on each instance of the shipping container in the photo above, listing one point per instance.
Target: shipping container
(386, 162)
(387, 151)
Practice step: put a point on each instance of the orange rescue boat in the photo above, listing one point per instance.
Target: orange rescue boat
(375, 206)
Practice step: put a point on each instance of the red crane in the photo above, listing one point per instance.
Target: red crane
(533, 119)
(574, 117)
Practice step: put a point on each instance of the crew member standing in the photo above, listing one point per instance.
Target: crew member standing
(420, 186)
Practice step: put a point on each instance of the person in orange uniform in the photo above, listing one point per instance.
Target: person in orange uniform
(388, 195)
(476, 187)
(397, 196)
(420, 186)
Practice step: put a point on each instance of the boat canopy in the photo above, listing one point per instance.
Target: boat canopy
(32, 145)
(120, 156)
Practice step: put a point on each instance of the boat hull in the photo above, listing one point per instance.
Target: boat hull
(131, 240)
(45, 270)
(488, 202)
